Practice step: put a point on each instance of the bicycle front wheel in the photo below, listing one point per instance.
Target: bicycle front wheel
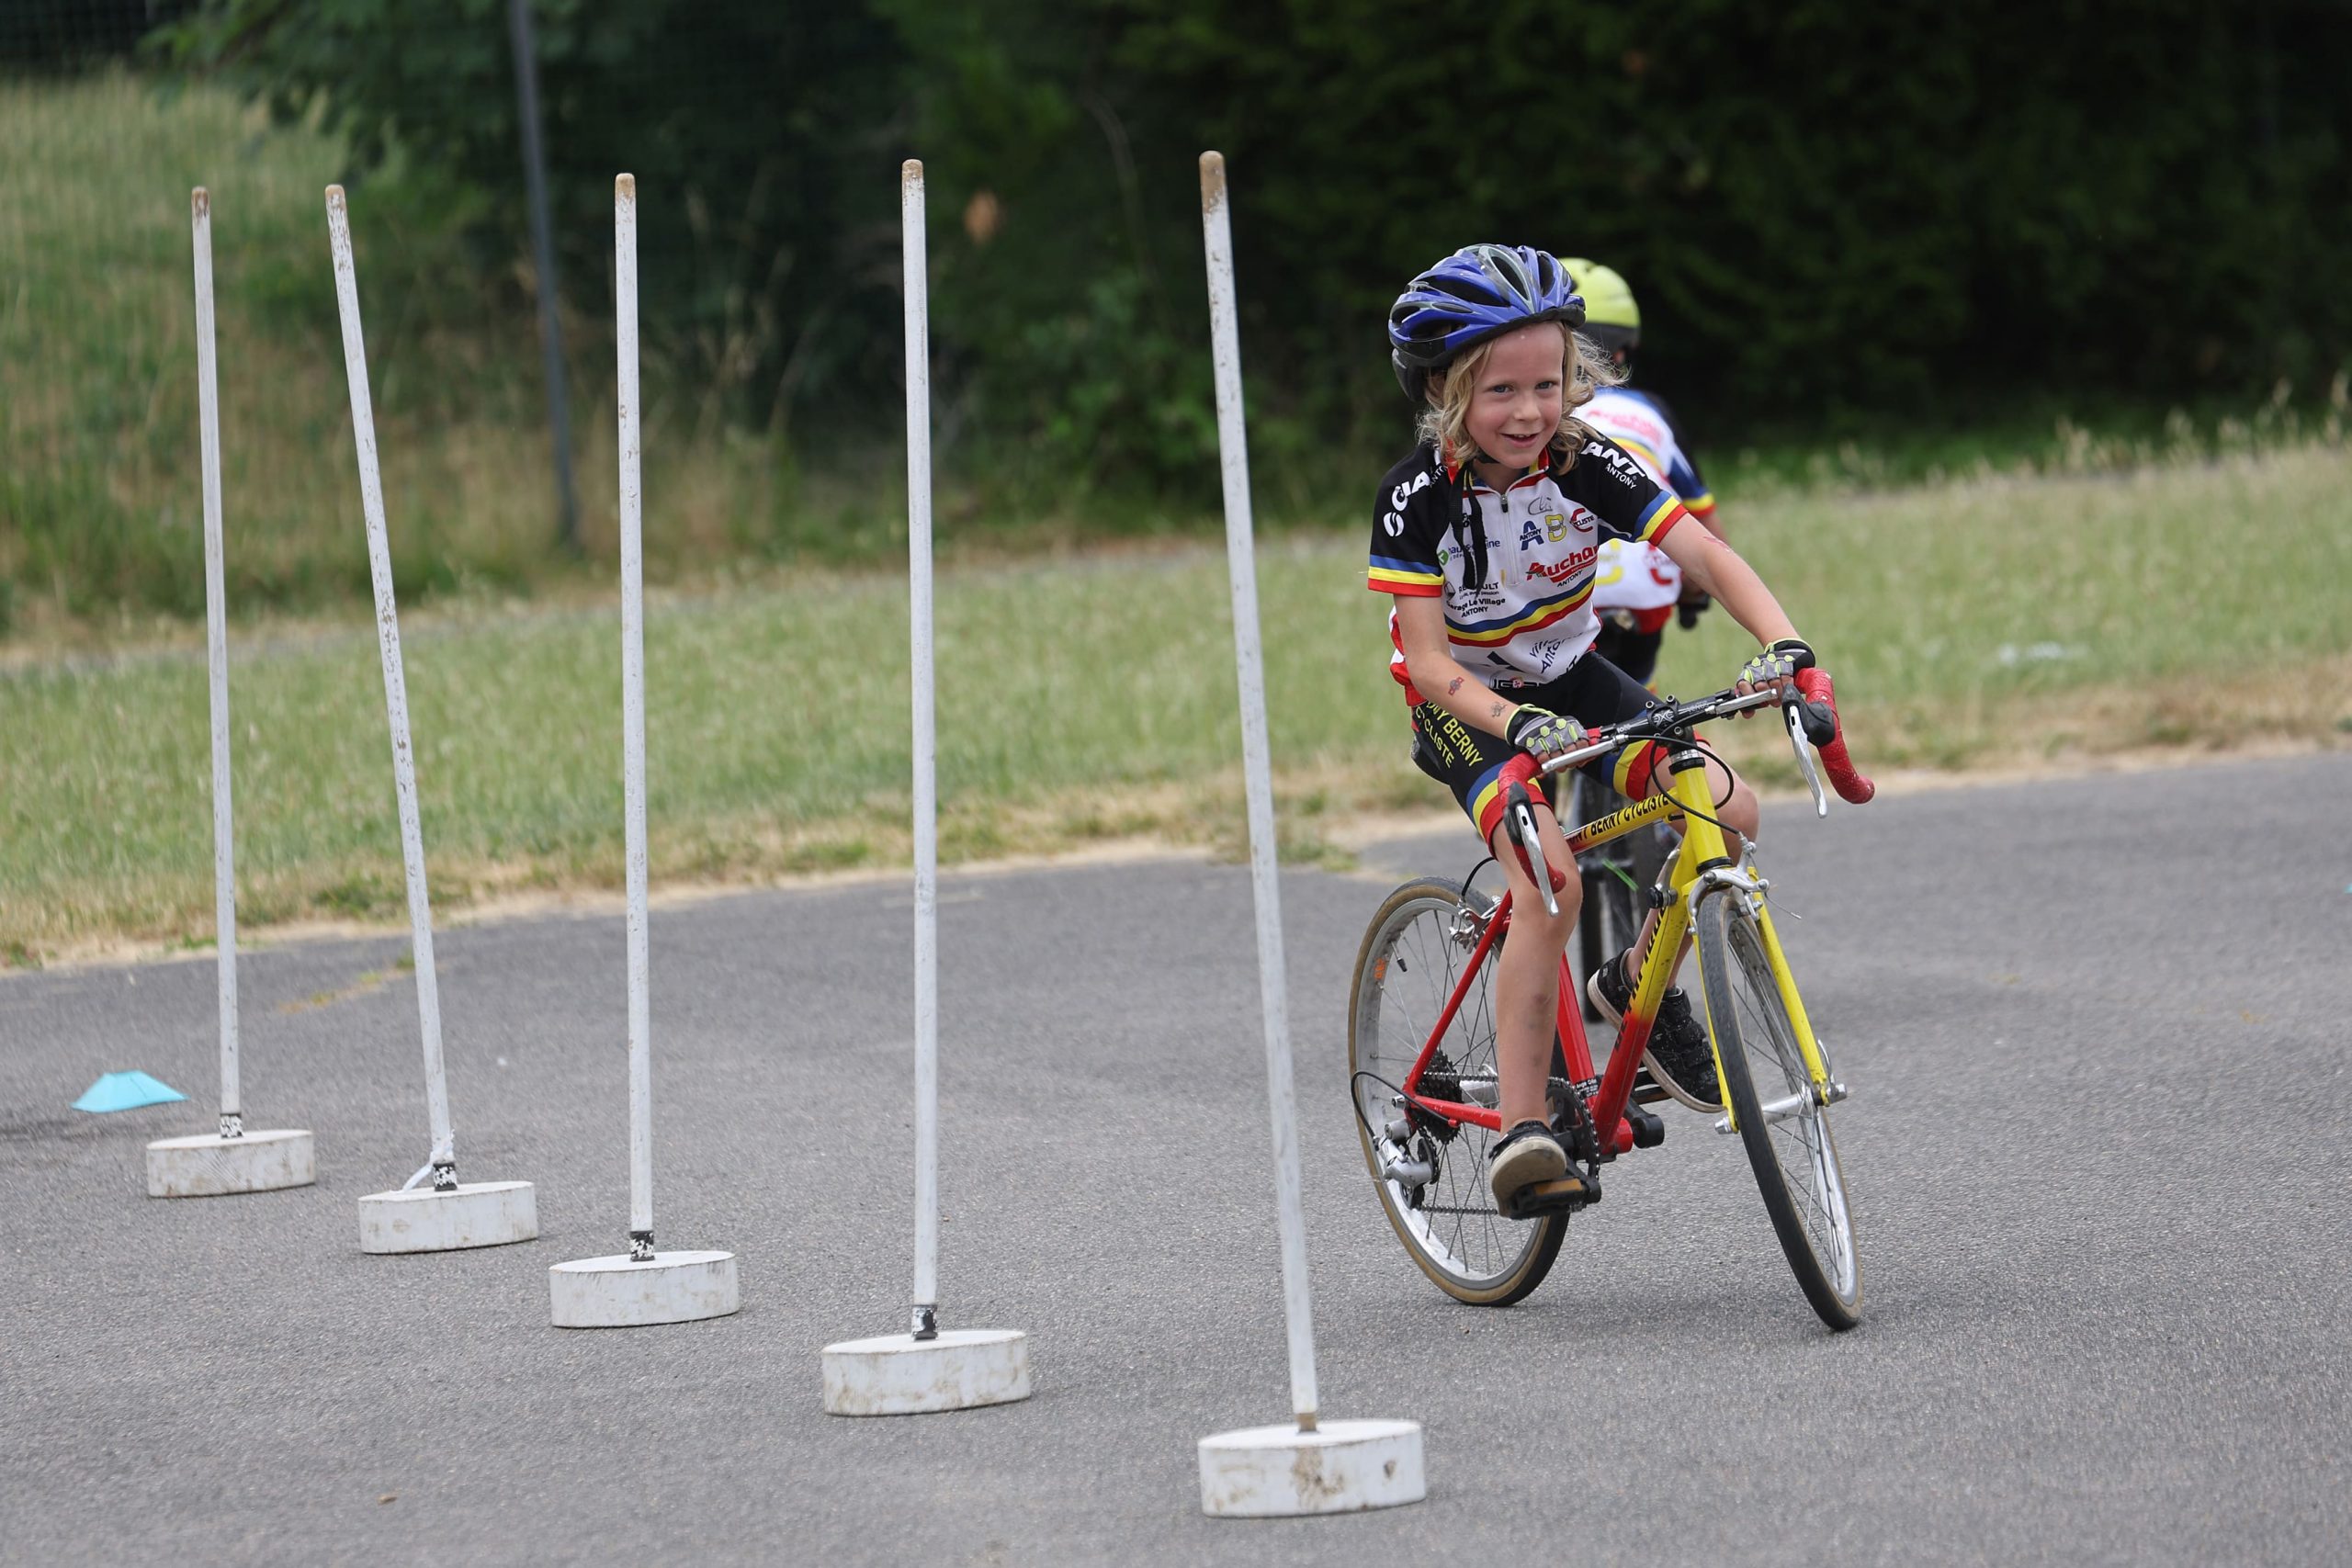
(1419, 947)
(1783, 1127)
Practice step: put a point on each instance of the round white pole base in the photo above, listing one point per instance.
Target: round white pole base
(1341, 1467)
(620, 1293)
(896, 1374)
(477, 1213)
(208, 1164)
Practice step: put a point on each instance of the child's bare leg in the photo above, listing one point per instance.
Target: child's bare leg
(1527, 975)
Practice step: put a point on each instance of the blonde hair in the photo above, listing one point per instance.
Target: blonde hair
(1445, 422)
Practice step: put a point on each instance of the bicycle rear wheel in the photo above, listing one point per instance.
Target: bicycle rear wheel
(1783, 1125)
(1417, 949)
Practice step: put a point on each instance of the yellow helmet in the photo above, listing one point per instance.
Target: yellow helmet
(1610, 317)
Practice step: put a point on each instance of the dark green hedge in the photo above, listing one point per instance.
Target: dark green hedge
(1825, 206)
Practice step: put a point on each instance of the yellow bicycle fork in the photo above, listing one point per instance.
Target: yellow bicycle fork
(1703, 849)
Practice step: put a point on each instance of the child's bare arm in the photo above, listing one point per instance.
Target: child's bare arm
(1438, 676)
(1718, 570)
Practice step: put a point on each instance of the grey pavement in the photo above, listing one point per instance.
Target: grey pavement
(2100, 1145)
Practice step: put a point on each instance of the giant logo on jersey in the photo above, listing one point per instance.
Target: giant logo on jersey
(1396, 497)
(1625, 467)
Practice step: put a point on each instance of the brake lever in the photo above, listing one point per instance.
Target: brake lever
(1792, 707)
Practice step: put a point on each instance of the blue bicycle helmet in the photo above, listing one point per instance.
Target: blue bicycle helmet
(1479, 292)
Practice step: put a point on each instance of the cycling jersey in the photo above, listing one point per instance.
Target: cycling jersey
(1644, 426)
(1632, 577)
(1514, 567)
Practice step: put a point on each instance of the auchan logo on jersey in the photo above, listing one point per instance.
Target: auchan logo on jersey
(1559, 572)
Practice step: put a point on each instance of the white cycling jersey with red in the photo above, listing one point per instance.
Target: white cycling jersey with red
(1632, 576)
(1515, 567)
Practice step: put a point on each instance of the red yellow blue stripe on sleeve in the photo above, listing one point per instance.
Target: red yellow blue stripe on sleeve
(1662, 513)
(1409, 578)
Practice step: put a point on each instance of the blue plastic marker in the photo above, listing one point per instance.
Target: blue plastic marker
(126, 1091)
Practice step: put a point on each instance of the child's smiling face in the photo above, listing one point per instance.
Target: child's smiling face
(1515, 403)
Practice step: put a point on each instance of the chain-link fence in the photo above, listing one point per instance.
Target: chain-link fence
(112, 112)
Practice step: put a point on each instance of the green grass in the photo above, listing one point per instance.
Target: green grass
(1949, 608)
(1093, 698)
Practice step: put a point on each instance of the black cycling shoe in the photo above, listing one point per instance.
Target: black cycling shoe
(1525, 1157)
(1679, 1054)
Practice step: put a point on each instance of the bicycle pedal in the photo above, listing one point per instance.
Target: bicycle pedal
(1647, 1090)
(1649, 1128)
(1565, 1196)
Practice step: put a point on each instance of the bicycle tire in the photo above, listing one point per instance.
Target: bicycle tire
(1449, 1226)
(1794, 1157)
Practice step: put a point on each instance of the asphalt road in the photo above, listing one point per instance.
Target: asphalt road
(2100, 1145)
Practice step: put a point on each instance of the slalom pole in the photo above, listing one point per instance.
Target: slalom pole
(641, 1285)
(914, 264)
(632, 496)
(226, 1160)
(1312, 1466)
(443, 1159)
(1225, 347)
(467, 1214)
(927, 1368)
(216, 651)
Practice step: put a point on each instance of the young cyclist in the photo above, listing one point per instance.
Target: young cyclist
(1486, 538)
(1640, 588)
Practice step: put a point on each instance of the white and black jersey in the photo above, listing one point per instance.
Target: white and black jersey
(1514, 565)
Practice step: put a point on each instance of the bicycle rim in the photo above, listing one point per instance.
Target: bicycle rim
(1411, 959)
(1786, 1132)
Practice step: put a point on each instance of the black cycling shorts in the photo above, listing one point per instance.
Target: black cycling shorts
(1470, 761)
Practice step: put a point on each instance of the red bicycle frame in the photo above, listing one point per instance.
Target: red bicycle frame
(1616, 1087)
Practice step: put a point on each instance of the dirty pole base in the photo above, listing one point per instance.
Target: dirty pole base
(896, 1374)
(1341, 1467)
(208, 1164)
(474, 1213)
(620, 1293)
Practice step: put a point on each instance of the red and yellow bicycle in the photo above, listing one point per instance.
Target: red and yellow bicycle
(1421, 1031)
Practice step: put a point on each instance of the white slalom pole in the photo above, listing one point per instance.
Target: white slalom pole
(915, 264)
(927, 1368)
(1257, 772)
(444, 1156)
(216, 650)
(508, 1210)
(640, 1021)
(1314, 1466)
(641, 1285)
(226, 1161)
